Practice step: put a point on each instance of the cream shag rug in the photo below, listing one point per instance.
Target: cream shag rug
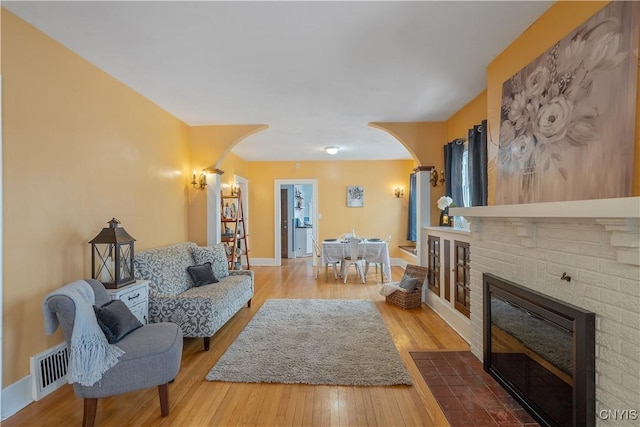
(307, 341)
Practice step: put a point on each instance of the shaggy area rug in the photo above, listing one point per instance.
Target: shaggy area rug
(307, 341)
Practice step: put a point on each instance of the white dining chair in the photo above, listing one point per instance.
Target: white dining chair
(376, 264)
(317, 253)
(347, 236)
(356, 249)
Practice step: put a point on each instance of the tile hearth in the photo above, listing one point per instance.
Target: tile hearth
(468, 395)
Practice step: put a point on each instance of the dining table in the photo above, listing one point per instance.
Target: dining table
(374, 251)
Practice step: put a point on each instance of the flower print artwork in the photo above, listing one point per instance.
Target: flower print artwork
(570, 114)
(355, 196)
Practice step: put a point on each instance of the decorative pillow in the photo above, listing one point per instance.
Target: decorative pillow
(216, 255)
(202, 274)
(116, 320)
(409, 283)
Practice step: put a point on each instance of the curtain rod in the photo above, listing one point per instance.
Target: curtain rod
(463, 140)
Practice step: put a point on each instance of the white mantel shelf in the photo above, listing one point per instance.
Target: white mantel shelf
(452, 230)
(626, 207)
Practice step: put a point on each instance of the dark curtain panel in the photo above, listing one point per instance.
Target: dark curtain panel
(478, 164)
(457, 151)
(447, 169)
(412, 229)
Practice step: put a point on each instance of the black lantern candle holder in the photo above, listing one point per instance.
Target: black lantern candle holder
(112, 256)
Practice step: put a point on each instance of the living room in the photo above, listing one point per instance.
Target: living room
(80, 147)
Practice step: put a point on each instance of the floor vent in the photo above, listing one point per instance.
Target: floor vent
(49, 370)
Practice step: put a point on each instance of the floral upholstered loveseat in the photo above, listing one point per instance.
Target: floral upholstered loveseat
(173, 296)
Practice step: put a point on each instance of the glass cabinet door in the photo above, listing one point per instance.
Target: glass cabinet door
(434, 264)
(462, 293)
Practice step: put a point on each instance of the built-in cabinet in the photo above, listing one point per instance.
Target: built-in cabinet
(447, 256)
(433, 276)
(461, 277)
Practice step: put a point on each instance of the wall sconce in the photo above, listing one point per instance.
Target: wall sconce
(399, 192)
(436, 179)
(201, 181)
(235, 190)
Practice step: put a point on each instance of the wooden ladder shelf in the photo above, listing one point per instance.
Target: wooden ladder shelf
(234, 231)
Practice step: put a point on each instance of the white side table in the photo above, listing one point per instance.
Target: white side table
(136, 297)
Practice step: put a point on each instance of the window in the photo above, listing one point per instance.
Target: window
(466, 168)
(466, 179)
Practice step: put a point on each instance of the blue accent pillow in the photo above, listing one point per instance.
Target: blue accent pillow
(116, 320)
(202, 274)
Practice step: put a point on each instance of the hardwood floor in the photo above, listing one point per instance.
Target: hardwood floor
(196, 402)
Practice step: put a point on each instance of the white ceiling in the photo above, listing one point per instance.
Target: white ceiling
(316, 72)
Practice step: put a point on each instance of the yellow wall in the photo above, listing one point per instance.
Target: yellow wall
(232, 165)
(424, 140)
(79, 148)
(464, 119)
(557, 22)
(468, 116)
(382, 214)
(208, 145)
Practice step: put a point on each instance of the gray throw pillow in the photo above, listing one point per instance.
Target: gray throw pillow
(116, 320)
(216, 255)
(202, 274)
(409, 283)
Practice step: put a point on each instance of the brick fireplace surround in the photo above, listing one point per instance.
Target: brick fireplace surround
(597, 244)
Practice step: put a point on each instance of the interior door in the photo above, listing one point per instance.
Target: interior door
(284, 223)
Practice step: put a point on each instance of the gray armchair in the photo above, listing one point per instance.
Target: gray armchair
(152, 356)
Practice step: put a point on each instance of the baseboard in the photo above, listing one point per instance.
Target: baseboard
(455, 319)
(16, 397)
(263, 262)
(398, 262)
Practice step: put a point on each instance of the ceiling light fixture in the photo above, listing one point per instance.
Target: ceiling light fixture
(332, 149)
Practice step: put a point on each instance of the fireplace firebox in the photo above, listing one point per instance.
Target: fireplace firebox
(542, 351)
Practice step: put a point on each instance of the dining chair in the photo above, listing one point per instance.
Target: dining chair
(356, 249)
(376, 264)
(347, 236)
(318, 254)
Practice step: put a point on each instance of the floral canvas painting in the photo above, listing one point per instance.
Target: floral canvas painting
(355, 196)
(568, 118)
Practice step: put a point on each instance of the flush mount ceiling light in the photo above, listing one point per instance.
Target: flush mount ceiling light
(332, 149)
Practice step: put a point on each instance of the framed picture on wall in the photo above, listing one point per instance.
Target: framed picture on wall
(571, 112)
(355, 196)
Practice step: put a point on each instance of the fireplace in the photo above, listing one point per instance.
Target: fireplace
(542, 351)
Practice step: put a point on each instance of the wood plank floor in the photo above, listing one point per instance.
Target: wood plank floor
(197, 402)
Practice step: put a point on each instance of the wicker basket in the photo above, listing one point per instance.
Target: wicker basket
(411, 299)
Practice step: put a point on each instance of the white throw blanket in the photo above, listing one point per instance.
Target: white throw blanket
(90, 353)
(389, 288)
